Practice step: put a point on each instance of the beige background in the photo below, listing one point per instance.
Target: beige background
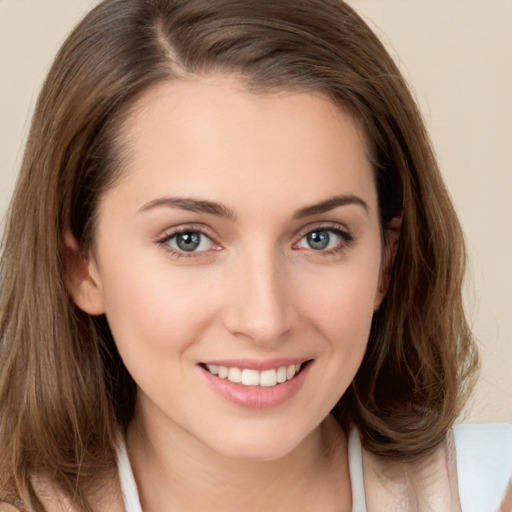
(457, 55)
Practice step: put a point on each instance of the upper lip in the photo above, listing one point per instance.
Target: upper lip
(253, 364)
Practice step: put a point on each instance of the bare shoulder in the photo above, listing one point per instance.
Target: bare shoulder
(107, 498)
(5, 507)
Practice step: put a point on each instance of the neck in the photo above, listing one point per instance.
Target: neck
(176, 472)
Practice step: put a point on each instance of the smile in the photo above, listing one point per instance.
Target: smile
(249, 377)
(257, 385)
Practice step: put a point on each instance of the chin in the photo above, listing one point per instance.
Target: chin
(260, 445)
(251, 452)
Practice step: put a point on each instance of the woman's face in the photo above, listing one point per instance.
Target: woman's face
(241, 243)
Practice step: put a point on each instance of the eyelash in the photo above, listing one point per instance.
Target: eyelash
(164, 240)
(347, 239)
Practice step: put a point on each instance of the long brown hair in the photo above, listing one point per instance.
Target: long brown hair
(64, 391)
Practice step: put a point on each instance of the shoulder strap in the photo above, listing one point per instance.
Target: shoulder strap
(484, 465)
(355, 464)
(128, 485)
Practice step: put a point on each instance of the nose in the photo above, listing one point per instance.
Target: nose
(260, 308)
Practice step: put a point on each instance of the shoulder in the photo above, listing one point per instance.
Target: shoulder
(486, 435)
(102, 498)
(505, 428)
(5, 507)
(471, 470)
(484, 448)
(484, 464)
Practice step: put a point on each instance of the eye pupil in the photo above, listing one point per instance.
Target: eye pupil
(188, 241)
(318, 239)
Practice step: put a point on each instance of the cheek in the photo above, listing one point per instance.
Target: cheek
(339, 311)
(155, 310)
(342, 303)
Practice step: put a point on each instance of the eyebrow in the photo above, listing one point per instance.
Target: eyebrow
(191, 205)
(212, 208)
(330, 204)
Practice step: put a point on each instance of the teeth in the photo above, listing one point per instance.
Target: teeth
(213, 369)
(235, 375)
(268, 378)
(248, 377)
(281, 374)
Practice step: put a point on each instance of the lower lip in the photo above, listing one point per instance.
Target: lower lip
(257, 397)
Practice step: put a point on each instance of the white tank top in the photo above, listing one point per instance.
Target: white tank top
(483, 473)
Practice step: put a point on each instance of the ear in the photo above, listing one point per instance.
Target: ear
(82, 278)
(391, 238)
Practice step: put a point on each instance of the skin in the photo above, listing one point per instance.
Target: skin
(254, 289)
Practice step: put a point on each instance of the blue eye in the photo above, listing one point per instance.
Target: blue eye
(189, 241)
(322, 239)
(318, 240)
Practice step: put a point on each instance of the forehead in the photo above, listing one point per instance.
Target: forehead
(212, 137)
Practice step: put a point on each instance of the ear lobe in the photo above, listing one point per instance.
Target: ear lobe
(391, 240)
(82, 278)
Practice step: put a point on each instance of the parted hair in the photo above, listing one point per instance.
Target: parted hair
(64, 392)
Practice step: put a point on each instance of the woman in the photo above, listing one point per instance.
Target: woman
(232, 275)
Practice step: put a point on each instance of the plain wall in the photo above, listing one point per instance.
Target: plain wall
(457, 56)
